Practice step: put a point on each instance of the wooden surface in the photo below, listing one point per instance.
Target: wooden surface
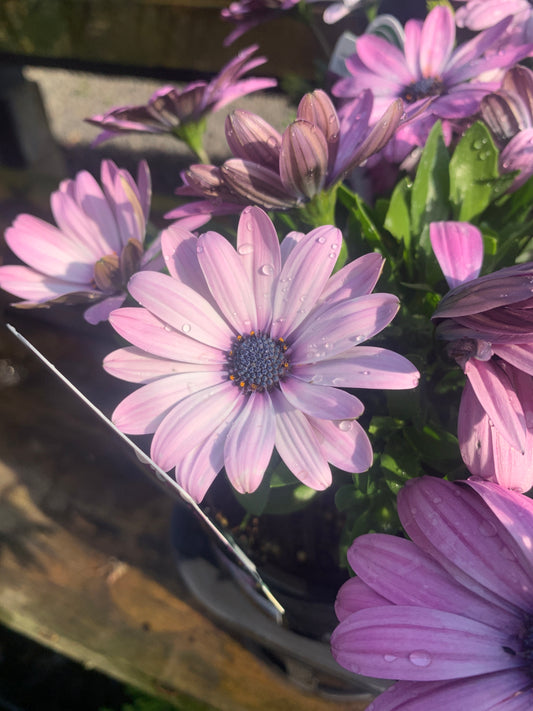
(164, 34)
(86, 567)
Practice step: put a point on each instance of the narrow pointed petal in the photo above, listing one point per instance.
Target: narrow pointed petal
(143, 410)
(181, 308)
(415, 643)
(344, 443)
(458, 247)
(450, 523)
(303, 159)
(227, 281)
(260, 254)
(303, 277)
(321, 400)
(250, 442)
(191, 421)
(298, 445)
(362, 367)
(147, 332)
(253, 139)
(499, 400)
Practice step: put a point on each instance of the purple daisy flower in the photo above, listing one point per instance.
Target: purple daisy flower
(169, 110)
(97, 245)
(488, 323)
(243, 350)
(284, 171)
(448, 613)
(509, 115)
(429, 68)
(246, 14)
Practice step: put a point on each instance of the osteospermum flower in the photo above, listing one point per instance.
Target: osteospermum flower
(487, 322)
(176, 111)
(429, 68)
(283, 171)
(97, 245)
(448, 613)
(509, 115)
(240, 351)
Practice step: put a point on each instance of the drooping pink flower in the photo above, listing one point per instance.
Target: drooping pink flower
(97, 245)
(169, 109)
(242, 350)
(429, 67)
(509, 115)
(283, 171)
(488, 322)
(448, 613)
(246, 14)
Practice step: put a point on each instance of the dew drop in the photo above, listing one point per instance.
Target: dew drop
(420, 658)
(186, 327)
(247, 247)
(345, 425)
(267, 270)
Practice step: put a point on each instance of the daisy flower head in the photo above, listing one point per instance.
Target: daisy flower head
(448, 613)
(430, 73)
(97, 245)
(240, 351)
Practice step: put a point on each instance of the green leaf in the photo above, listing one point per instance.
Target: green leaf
(473, 170)
(431, 187)
(398, 220)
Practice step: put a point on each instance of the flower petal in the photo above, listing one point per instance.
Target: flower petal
(259, 252)
(416, 643)
(180, 307)
(321, 401)
(249, 443)
(191, 421)
(303, 277)
(298, 445)
(362, 367)
(458, 247)
(146, 331)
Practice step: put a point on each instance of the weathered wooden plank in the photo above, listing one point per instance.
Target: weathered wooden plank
(85, 561)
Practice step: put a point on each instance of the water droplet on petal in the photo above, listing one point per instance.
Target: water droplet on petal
(186, 327)
(420, 658)
(247, 247)
(267, 270)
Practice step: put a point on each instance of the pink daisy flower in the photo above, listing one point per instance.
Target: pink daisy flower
(448, 613)
(429, 68)
(97, 245)
(242, 350)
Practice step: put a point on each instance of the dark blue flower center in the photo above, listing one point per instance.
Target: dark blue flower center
(422, 89)
(257, 362)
